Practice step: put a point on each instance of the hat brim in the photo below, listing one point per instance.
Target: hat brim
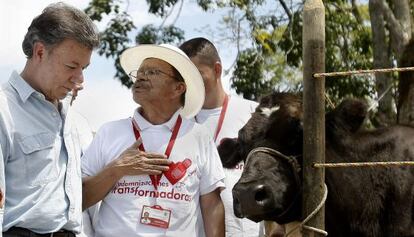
(132, 58)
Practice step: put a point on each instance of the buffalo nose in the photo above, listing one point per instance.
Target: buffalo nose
(261, 196)
(251, 199)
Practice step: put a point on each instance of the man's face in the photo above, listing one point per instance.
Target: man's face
(155, 82)
(208, 73)
(61, 69)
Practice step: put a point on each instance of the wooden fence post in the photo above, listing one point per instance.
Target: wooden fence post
(314, 112)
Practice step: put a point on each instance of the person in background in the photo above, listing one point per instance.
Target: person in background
(157, 173)
(40, 146)
(85, 137)
(224, 116)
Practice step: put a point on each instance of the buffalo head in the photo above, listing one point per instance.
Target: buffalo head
(270, 144)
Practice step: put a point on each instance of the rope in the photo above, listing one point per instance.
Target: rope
(359, 72)
(311, 215)
(376, 102)
(330, 103)
(363, 164)
(290, 159)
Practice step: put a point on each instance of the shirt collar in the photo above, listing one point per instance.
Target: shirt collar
(144, 124)
(21, 86)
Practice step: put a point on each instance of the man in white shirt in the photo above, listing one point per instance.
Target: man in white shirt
(144, 192)
(224, 116)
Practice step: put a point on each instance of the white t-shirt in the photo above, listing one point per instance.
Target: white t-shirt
(121, 210)
(239, 111)
(85, 137)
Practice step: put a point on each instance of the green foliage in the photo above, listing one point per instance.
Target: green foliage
(291, 42)
(97, 8)
(116, 36)
(247, 78)
(263, 67)
(255, 75)
(244, 4)
(160, 7)
(150, 34)
(205, 4)
(272, 57)
(279, 41)
(114, 41)
(348, 47)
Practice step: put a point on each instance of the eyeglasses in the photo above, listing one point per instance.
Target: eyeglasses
(149, 74)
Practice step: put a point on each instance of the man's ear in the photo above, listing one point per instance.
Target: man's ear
(218, 69)
(229, 152)
(179, 89)
(39, 51)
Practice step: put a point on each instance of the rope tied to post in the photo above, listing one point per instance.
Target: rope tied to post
(303, 225)
(360, 72)
(364, 164)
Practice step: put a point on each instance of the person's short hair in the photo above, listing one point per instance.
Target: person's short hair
(58, 22)
(201, 48)
(179, 78)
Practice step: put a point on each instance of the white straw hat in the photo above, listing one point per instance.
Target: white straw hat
(132, 58)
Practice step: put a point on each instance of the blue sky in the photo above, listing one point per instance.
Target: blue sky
(104, 98)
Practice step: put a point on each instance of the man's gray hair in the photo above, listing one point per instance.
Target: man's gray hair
(58, 22)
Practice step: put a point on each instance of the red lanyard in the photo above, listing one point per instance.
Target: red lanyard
(221, 118)
(156, 178)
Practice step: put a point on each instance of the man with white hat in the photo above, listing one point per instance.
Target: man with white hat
(158, 173)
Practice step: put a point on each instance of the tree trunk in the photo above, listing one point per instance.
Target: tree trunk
(405, 106)
(406, 88)
(399, 24)
(402, 13)
(382, 59)
(398, 21)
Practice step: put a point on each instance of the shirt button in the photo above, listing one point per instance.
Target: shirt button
(54, 114)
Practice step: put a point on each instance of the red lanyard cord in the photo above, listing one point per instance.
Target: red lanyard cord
(222, 115)
(156, 178)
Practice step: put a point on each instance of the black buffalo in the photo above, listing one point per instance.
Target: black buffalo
(374, 202)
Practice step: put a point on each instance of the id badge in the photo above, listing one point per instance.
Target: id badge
(155, 216)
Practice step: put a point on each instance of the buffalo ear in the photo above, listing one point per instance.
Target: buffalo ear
(348, 116)
(229, 151)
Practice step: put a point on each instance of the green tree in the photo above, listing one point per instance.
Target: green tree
(268, 36)
(116, 35)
